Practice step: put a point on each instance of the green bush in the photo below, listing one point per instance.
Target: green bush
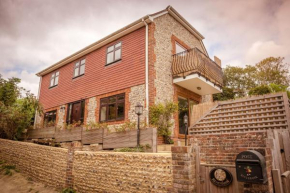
(160, 116)
(68, 190)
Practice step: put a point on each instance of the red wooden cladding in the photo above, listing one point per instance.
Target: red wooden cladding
(98, 78)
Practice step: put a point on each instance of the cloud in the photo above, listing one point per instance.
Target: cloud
(260, 50)
(36, 34)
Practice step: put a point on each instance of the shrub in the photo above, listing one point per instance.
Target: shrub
(68, 190)
(160, 116)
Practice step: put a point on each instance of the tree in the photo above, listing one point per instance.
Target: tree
(257, 79)
(273, 70)
(16, 111)
(227, 94)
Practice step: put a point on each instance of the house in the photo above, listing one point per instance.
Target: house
(157, 58)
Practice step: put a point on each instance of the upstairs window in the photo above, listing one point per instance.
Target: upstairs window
(114, 53)
(179, 48)
(80, 68)
(54, 79)
(112, 108)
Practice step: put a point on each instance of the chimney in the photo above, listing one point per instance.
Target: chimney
(218, 61)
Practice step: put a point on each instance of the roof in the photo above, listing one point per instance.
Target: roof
(121, 32)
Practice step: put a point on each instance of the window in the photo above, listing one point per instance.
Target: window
(54, 79)
(75, 112)
(79, 68)
(112, 108)
(179, 48)
(114, 53)
(49, 118)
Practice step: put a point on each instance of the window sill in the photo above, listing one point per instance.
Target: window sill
(78, 76)
(112, 121)
(113, 62)
(52, 86)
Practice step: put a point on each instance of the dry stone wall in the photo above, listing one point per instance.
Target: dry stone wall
(61, 116)
(43, 163)
(122, 172)
(137, 94)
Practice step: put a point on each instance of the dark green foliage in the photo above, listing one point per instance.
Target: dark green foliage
(271, 88)
(227, 94)
(141, 148)
(16, 110)
(68, 190)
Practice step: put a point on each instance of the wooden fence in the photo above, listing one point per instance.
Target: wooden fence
(97, 136)
(248, 114)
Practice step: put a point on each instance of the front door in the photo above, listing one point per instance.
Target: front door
(76, 112)
(182, 110)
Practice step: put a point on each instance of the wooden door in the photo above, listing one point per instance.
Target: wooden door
(76, 112)
(206, 186)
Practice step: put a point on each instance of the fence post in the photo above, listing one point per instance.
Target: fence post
(277, 181)
(184, 169)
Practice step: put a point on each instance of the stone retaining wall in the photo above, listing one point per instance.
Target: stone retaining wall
(90, 171)
(42, 163)
(122, 172)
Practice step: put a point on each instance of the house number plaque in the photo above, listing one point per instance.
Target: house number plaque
(220, 177)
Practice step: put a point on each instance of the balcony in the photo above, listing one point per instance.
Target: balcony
(196, 72)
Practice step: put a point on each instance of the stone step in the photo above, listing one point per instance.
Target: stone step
(164, 148)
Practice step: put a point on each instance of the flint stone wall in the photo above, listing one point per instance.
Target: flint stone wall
(42, 163)
(122, 172)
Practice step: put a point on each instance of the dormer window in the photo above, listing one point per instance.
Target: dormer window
(114, 53)
(79, 68)
(54, 79)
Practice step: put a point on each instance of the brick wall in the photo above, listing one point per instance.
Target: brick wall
(42, 163)
(223, 148)
(98, 78)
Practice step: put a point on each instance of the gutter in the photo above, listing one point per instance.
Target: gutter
(146, 74)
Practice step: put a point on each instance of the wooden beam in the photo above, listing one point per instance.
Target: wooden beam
(277, 181)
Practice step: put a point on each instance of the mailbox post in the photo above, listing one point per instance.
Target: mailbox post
(251, 167)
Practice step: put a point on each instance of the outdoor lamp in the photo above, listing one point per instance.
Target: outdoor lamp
(138, 111)
(185, 121)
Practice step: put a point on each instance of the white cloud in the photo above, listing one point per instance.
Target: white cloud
(260, 50)
(239, 32)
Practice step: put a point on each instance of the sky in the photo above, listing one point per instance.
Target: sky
(35, 34)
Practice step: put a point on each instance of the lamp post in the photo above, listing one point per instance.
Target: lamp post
(185, 121)
(138, 111)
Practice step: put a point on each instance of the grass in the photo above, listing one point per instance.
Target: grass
(68, 190)
(7, 168)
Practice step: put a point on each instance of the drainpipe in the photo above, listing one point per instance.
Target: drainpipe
(39, 86)
(146, 73)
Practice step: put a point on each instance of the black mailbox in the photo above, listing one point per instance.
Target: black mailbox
(251, 167)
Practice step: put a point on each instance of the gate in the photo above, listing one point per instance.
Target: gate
(206, 186)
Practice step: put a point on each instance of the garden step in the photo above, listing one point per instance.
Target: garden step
(164, 148)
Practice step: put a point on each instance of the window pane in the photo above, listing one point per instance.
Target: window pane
(52, 76)
(112, 99)
(112, 112)
(57, 73)
(120, 110)
(110, 48)
(121, 97)
(56, 80)
(118, 45)
(179, 48)
(103, 114)
(110, 57)
(82, 70)
(76, 72)
(104, 101)
(77, 64)
(118, 54)
(51, 82)
(83, 61)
